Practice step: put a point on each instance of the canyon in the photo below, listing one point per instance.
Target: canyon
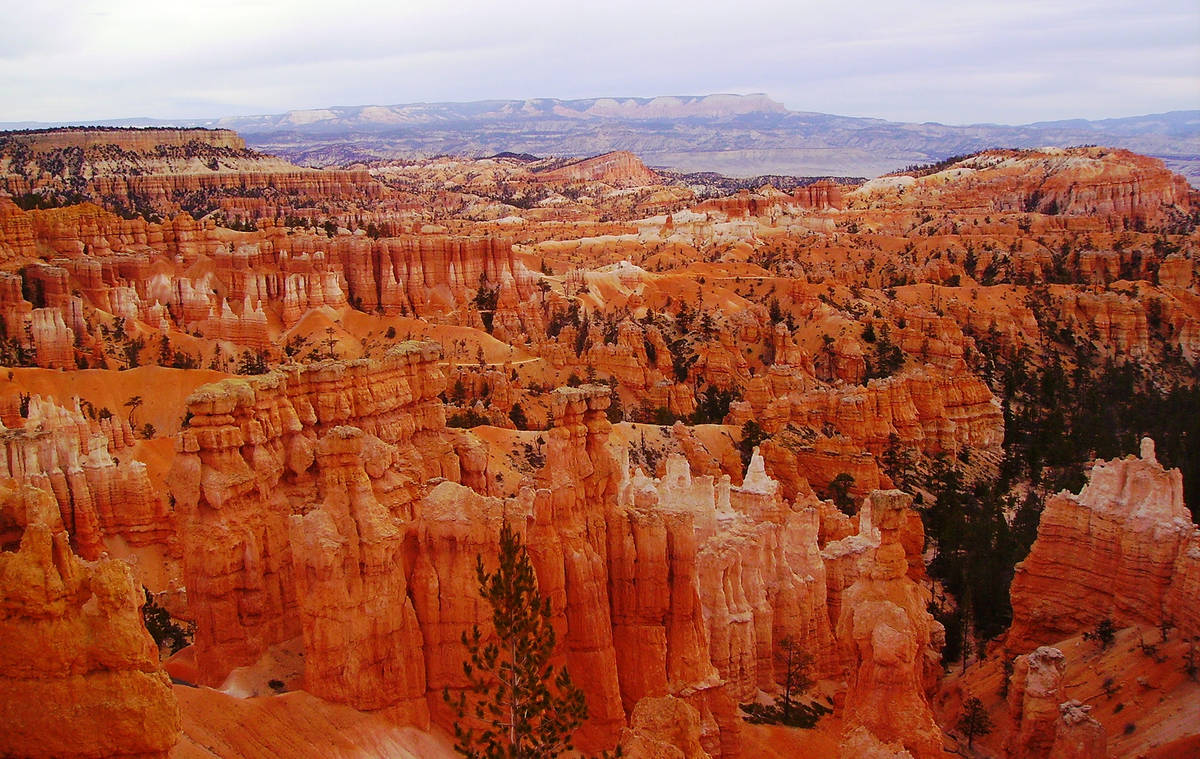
(288, 408)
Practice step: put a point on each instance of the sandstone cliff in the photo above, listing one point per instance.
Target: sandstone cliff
(890, 640)
(1124, 548)
(79, 674)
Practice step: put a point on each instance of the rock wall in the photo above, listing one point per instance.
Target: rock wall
(1034, 695)
(139, 140)
(362, 639)
(1124, 548)
(1072, 182)
(248, 461)
(1077, 735)
(88, 466)
(890, 640)
(619, 169)
(79, 674)
(663, 728)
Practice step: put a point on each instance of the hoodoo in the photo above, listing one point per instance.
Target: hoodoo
(801, 466)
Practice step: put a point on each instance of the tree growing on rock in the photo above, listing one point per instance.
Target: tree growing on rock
(797, 666)
(528, 708)
(974, 720)
(839, 492)
(797, 679)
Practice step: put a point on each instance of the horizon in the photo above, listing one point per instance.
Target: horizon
(214, 119)
(1006, 63)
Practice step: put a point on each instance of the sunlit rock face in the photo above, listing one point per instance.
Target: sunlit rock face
(1034, 695)
(1124, 548)
(890, 640)
(79, 674)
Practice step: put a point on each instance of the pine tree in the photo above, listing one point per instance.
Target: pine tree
(529, 708)
(797, 664)
(974, 720)
(518, 418)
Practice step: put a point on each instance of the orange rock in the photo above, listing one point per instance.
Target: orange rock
(1077, 735)
(79, 674)
(619, 169)
(890, 639)
(362, 639)
(1123, 548)
(663, 728)
(1035, 692)
(249, 460)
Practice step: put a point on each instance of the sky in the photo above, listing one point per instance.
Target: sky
(960, 62)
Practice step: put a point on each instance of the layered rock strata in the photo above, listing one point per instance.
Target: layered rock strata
(79, 674)
(890, 640)
(1034, 695)
(250, 459)
(1124, 548)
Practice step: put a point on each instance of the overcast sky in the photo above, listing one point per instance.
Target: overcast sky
(1007, 61)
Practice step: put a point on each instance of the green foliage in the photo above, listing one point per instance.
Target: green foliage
(517, 417)
(752, 437)
(458, 392)
(797, 679)
(886, 358)
(527, 707)
(838, 491)
(169, 636)
(974, 720)
(775, 311)
(976, 550)
(252, 362)
(663, 417)
(466, 419)
(713, 405)
(1105, 633)
(683, 356)
(1057, 420)
(651, 353)
(616, 410)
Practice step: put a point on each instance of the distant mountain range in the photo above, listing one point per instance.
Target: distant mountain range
(736, 135)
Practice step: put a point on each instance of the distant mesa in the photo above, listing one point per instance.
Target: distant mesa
(735, 135)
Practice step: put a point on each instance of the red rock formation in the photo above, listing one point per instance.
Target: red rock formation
(1077, 735)
(53, 340)
(861, 743)
(16, 232)
(1096, 182)
(248, 462)
(99, 494)
(890, 638)
(1034, 695)
(819, 195)
(582, 478)
(138, 140)
(932, 409)
(1124, 547)
(658, 624)
(619, 169)
(663, 728)
(362, 640)
(79, 674)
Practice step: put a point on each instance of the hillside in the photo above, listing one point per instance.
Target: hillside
(736, 135)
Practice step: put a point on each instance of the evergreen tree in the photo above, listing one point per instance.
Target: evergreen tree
(839, 492)
(974, 720)
(528, 708)
(797, 664)
(518, 418)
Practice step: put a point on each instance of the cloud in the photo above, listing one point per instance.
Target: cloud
(956, 62)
